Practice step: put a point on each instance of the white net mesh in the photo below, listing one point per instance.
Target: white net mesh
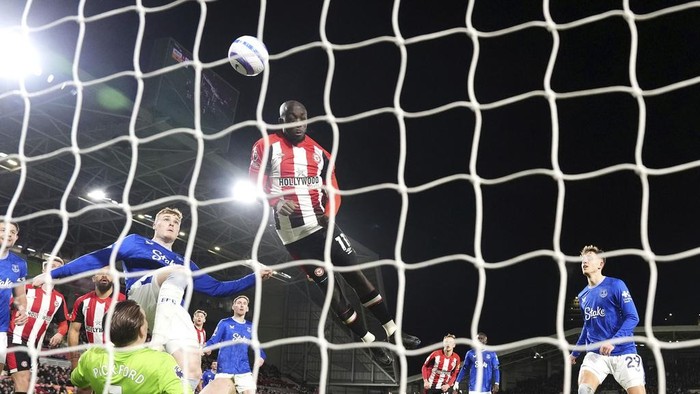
(475, 139)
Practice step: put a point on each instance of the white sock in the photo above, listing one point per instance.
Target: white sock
(390, 328)
(368, 338)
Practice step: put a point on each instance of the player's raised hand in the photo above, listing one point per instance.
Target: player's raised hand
(286, 207)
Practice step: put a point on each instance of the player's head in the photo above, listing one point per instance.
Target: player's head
(11, 231)
(448, 343)
(129, 324)
(52, 264)
(102, 280)
(199, 317)
(481, 337)
(214, 365)
(167, 224)
(293, 111)
(591, 261)
(240, 305)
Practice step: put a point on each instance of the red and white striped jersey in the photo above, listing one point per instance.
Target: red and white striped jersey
(89, 310)
(201, 335)
(300, 169)
(439, 369)
(42, 308)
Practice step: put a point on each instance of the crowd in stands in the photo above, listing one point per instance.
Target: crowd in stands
(51, 379)
(271, 381)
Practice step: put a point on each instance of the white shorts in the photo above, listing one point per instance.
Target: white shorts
(3, 348)
(180, 334)
(243, 381)
(627, 369)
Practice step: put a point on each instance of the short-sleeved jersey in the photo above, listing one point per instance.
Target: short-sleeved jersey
(440, 369)
(140, 254)
(89, 310)
(300, 169)
(133, 371)
(13, 269)
(42, 309)
(207, 377)
(233, 358)
(608, 312)
(201, 335)
(489, 366)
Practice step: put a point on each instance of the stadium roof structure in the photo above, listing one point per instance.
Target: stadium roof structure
(78, 139)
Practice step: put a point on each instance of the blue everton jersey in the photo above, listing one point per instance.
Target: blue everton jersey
(13, 269)
(139, 254)
(233, 358)
(608, 312)
(489, 367)
(207, 377)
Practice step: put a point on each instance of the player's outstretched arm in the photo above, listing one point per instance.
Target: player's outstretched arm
(89, 262)
(208, 285)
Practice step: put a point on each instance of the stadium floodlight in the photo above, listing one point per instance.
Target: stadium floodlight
(244, 191)
(7, 163)
(97, 194)
(20, 58)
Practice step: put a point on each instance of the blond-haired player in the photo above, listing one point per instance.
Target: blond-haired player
(160, 290)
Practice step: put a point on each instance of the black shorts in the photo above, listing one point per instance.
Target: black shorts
(312, 247)
(18, 357)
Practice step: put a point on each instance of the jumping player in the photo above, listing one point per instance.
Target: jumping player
(295, 176)
(160, 292)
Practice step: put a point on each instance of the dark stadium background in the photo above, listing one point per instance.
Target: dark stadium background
(595, 132)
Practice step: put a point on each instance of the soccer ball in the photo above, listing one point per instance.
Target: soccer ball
(248, 55)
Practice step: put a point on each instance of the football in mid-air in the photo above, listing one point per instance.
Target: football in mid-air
(248, 55)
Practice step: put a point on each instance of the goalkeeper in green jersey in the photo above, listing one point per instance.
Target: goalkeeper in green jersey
(135, 369)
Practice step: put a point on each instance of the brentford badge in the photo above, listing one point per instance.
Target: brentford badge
(319, 272)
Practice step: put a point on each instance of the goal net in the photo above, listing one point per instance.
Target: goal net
(478, 145)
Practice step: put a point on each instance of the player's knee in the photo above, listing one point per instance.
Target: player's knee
(177, 278)
(584, 388)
